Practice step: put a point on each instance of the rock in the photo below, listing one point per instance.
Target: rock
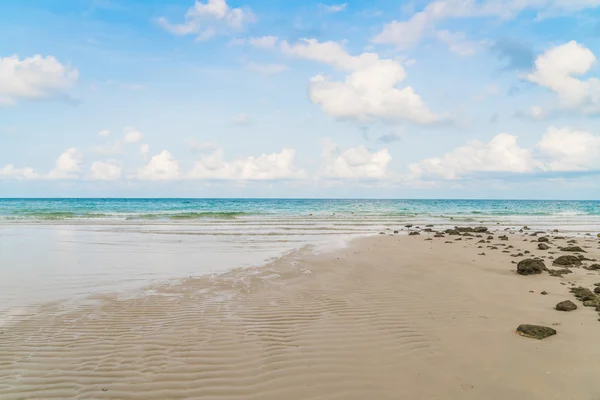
(573, 249)
(593, 267)
(527, 252)
(566, 305)
(483, 254)
(559, 237)
(439, 235)
(504, 237)
(525, 228)
(490, 237)
(465, 229)
(408, 226)
(428, 230)
(531, 267)
(468, 235)
(480, 229)
(493, 248)
(535, 331)
(382, 233)
(555, 231)
(544, 293)
(452, 232)
(481, 241)
(543, 246)
(597, 290)
(559, 272)
(413, 234)
(428, 226)
(396, 232)
(583, 294)
(543, 239)
(567, 260)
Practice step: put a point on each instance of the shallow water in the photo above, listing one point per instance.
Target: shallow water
(66, 249)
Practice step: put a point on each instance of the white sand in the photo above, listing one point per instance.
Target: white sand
(387, 318)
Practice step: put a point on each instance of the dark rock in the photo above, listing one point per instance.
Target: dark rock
(439, 235)
(396, 232)
(413, 234)
(527, 252)
(543, 239)
(480, 229)
(428, 230)
(566, 305)
(428, 226)
(493, 248)
(593, 267)
(583, 294)
(559, 272)
(535, 331)
(572, 241)
(483, 254)
(597, 290)
(573, 249)
(468, 235)
(543, 246)
(408, 226)
(465, 229)
(531, 267)
(490, 237)
(504, 237)
(382, 233)
(559, 237)
(567, 260)
(453, 232)
(481, 241)
(544, 293)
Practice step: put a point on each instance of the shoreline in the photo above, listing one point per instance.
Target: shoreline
(388, 315)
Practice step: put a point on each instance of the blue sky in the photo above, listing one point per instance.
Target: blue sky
(394, 99)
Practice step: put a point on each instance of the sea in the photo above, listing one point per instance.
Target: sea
(54, 250)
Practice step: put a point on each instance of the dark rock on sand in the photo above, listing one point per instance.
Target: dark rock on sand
(469, 235)
(408, 226)
(559, 272)
(544, 293)
(531, 267)
(454, 232)
(543, 239)
(490, 237)
(543, 246)
(535, 331)
(503, 237)
(413, 234)
(396, 232)
(566, 305)
(465, 229)
(573, 249)
(593, 267)
(438, 235)
(480, 229)
(567, 260)
(583, 294)
(597, 290)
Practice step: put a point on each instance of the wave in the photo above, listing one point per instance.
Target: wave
(190, 215)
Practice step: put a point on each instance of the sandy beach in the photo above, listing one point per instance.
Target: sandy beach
(387, 317)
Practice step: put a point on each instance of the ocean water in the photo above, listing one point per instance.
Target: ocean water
(68, 249)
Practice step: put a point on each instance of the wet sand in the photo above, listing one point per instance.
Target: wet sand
(388, 317)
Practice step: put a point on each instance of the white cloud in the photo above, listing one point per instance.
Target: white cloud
(369, 91)
(333, 8)
(566, 149)
(132, 135)
(160, 168)
(104, 133)
(9, 171)
(557, 68)
(34, 78)
(209, 19)
(263, 42)
(67, 166)
(354, 163)
(275, 166)
(267, 69)
(501, 154)
(105, 170)
(405, 34)
(201, 147)
(241, 119)
(456, 42)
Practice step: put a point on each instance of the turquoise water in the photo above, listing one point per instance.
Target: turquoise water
(197, 209)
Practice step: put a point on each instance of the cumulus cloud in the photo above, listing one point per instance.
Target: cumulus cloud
(105, 170)
(405, 34)
(370, 90)
(67, 166)
(267, 69)
(34, 78)
(104, 133)
(205, 20)
(132, 135)
(10, 171)
(557, 69)
(501, 154)
(354, 163)
(275, 166)
(566, 149)
(559, 150)
(161, 167)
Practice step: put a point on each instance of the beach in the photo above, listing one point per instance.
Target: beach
(386, 316)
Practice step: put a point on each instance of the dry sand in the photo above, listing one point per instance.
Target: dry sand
(389, 317)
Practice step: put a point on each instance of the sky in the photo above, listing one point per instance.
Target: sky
(264, 98)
